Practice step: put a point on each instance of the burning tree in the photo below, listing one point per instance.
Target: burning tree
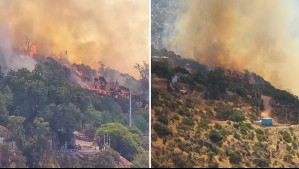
(144, 75)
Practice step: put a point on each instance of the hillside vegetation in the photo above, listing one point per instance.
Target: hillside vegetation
(207, 119)
(42, 108)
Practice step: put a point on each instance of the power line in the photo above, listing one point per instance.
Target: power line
(8, 75)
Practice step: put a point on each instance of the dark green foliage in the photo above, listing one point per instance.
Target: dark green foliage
(179, 162)
(224, 113)
(286, 137)
(162, 130)
(237, 136)
(211, 154)
(160, 69)
(241, 92)
(204, 125)
(189, 103)
(125, 141)
(176, 117)
(188, 122)
(154, 137)
(234, 157)
(182, 70)
(64, 119)
(261, 162)
(44, 105)
(217, 83)
(218, 126)
(260, 134)
(163, 119)
(215, 137)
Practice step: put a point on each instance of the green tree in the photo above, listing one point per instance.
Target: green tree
(64, 120)
(124, 141)
(144, 75)
(36, 146)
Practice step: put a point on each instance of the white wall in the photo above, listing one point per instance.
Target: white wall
(1, 140)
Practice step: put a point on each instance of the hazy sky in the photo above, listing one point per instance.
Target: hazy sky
(259, 35)
(112, 31)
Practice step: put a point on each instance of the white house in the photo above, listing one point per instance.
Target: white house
(175, 79)
(2, 140)
(4, 134)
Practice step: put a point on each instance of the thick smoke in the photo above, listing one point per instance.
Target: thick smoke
(112, 31)
(255, 35)
(9, 59)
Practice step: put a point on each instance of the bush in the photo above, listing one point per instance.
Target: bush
(189, 103)
(211, 154)
(259, 131)
(237, 136)
(154, 137)
(286, 137)
(236, 116)
(260, 146)
(180, 163)
(215, 136)
(224, 113)
(295, 145)
(241, 92)
(213, 165)
(260, 134)
(218, 126)
(162, 130)
(185, 147)
(163, 119)
(203, 125)
(234, 157)
(261, 162)
(176, 117)
(188, 122)
(160, 69)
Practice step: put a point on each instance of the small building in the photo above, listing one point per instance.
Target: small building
(267, 122)
(4, 134)
(2, 140)
(5, 137)
(184, 92)
(175, 79)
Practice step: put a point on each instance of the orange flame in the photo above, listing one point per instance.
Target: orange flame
(79, 73)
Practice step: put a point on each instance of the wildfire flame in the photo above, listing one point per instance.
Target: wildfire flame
(79, 73)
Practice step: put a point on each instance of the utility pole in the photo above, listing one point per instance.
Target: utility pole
(130, 120)
(104, 142)
(7, 75)
(286, 115)
(109, 139)
(130, 110)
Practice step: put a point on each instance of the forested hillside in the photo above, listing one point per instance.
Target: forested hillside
(44, 107)
(207, 117)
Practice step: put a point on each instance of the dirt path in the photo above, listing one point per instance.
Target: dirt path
(87, 144)
(267, 112)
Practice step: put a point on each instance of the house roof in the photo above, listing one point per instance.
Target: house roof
(4, 132)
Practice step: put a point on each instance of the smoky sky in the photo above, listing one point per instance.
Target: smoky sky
(257, 35)
(112, 31)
